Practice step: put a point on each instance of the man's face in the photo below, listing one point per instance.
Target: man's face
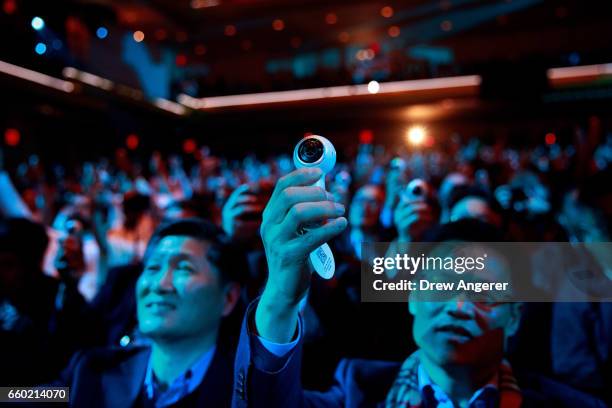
(365, 207)
(179, 294)
(463, 332)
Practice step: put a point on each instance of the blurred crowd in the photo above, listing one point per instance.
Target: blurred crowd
(74, 243)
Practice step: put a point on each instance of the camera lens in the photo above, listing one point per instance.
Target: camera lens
(310, 150)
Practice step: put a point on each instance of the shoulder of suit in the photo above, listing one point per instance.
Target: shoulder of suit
(539, 388)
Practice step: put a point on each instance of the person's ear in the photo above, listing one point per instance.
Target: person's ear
(231, 296)
(516, 311)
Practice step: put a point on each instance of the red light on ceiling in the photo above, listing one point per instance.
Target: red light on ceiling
(278, 25)
(12, 137)
(386, 11)
(296, 42)
(132, 141)
(200, 49)
(138, 36)
(366, 136)
(9, 6)
(331, 18)
(161, 34)
(561, 12)
(550, 138)
(394, 31)
(181, 36)
(230, 30)
(246, 45)
(181, 60)
(189, 146)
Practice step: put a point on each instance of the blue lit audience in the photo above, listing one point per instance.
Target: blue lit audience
(87, 283)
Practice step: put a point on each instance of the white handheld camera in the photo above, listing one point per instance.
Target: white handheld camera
(317, 151)
(416, 190)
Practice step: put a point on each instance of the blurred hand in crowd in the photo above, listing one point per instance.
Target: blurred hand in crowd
(412, 217)
(241, 214)
(70, 260)
(396, 179)
(294, 202)
(340, 186)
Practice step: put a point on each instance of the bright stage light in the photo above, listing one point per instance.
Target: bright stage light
(40, 48)
(373, 87)
(138, 36)
(38, 23)
(102, 32)
(416, 135)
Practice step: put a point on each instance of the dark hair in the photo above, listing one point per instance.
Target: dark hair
(134, 205)
(200, 205)
(26, 239)
(226, 256)
(461, 192)
(468, 229)
(473, 230)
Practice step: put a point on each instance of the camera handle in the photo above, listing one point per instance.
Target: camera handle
(322, 258)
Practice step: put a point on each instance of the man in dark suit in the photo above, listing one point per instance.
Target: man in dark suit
(460, 358)
(188, 285)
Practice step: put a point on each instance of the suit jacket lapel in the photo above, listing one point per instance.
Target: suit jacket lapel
(122, 385)
(369, 382)
(215, 390)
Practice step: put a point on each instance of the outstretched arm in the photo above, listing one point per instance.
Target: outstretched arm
(267, 372)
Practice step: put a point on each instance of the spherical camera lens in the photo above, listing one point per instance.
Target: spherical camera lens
(310, 151)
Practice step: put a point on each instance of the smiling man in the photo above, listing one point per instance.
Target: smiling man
(459, 362)
(188, 285)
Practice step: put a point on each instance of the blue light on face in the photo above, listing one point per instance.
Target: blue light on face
(38, 23)
(40, 48)
(101, 32)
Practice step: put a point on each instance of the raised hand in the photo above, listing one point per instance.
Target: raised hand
(294, 202)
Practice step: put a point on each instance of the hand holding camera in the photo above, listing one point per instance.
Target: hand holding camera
(298, 200)
(70, 260)
(317, 152)
(413, 214)
(242, 213)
